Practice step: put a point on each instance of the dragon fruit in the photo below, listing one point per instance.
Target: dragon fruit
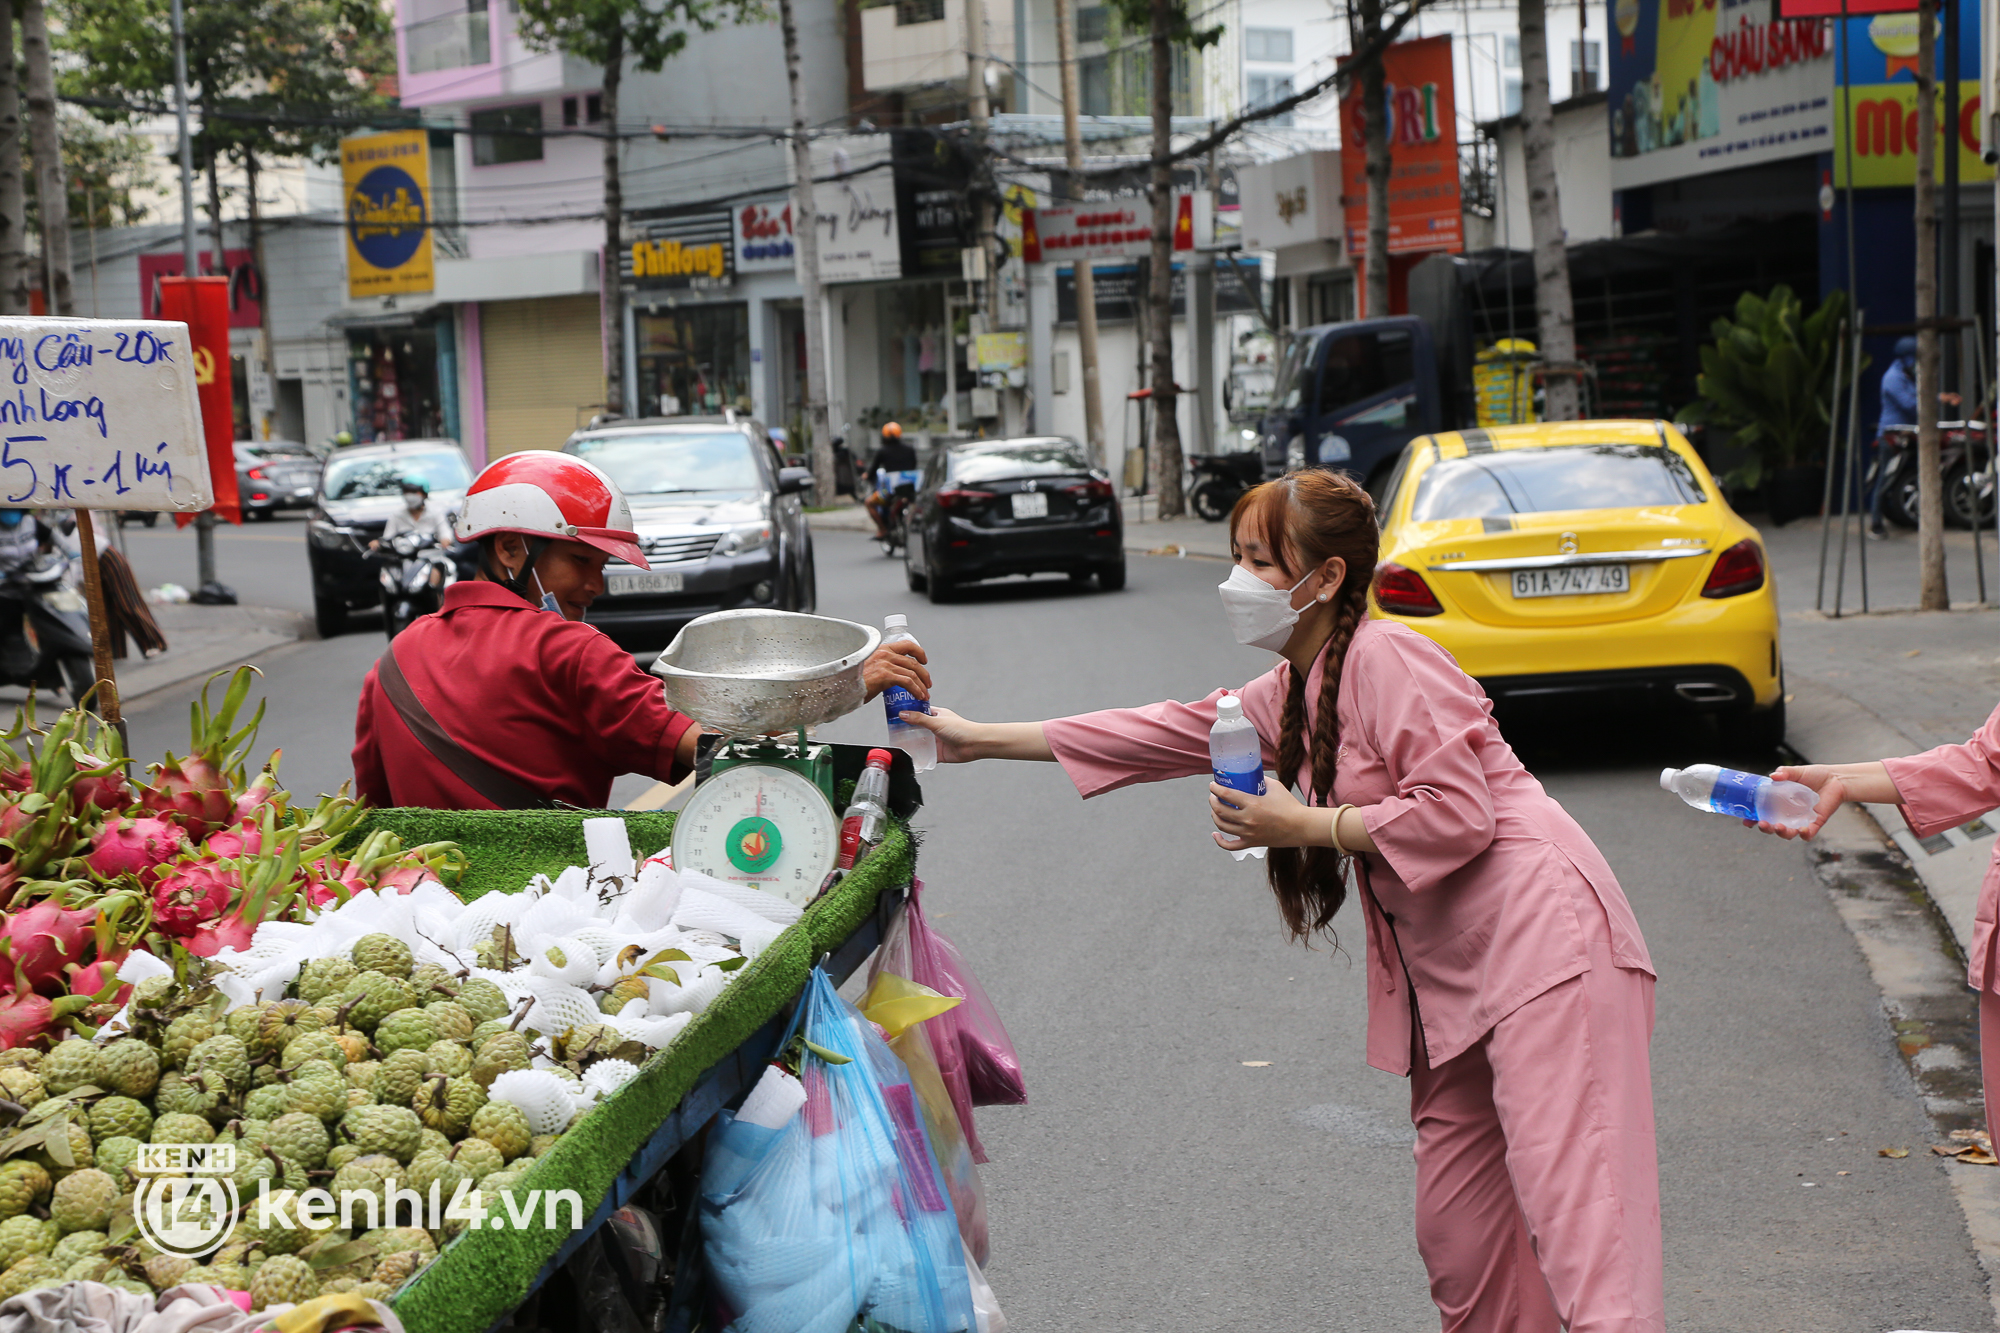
(198, 791)
(44, 938)
(192, 893)
(229, 932)
(261, 792)
(136, 847)
(26, 1018)
(234, 841)
(92, 978)
(106, 792)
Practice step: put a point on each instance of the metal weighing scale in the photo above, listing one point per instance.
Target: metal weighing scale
(765, 816)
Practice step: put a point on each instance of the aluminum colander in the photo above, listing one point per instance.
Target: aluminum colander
(754, 672)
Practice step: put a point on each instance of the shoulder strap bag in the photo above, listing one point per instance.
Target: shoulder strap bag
(469, 768)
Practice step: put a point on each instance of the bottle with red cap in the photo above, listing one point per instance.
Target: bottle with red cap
(866, 822)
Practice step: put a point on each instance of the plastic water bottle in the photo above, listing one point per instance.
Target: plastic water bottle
(917, 743)
(1237, 755)
(866, 822)
(1730, 791)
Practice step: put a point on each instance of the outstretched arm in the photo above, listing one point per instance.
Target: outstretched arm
(1836, 785)
(960, 740)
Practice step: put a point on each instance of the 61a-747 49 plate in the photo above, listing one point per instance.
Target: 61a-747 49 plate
(1572, 580)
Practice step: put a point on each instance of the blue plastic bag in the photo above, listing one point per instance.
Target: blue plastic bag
(840, 1215)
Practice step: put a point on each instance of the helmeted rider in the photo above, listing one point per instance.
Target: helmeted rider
(21, 538)
(504, 698)
(1899, 408)
(416, 515)
(893, 454)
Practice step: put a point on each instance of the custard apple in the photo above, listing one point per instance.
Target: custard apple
(479, 1158)
(397, 1076)
(184, 1034)
(339, 1155)
(452, 1020)
(302, 1137)
(399, 1268)
(482, 999)
(116, 1155)
(22, 1184)
(501, 1053)
(503, 1125)
(23, 1087)
(281, 1022)
(316, 1087)
(271, 1221)
(372, 997)
(69, 1064)
(180, 1094)
(282, 1280)
(79, 1245)
(268, 1102)
(179, 1127)
(128, 1066)
(393, 1131)
(412, 1028)
(450, 1058)
(361, 1074)
(114, 1117)
(27, 1274)
(166, 1270)
(314, 1045)
(323, 977)
(381, 953)
(23, 1236)
(447, 1105)
(83, 1200)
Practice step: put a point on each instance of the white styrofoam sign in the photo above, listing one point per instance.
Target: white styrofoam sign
(100, 414)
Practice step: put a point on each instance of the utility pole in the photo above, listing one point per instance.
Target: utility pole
(13, 197)
(1554, 311)
(204, 523)
(1166, 460)
(1086, 284)
(51, 192)
(980, 114)
(805, 236)
(1933, 594)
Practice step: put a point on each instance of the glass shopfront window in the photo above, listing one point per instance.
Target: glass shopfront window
(694, 360)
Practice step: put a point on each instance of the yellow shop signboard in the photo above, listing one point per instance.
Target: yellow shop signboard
(387, 183)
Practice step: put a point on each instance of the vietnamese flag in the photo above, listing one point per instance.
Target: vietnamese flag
(203, 305)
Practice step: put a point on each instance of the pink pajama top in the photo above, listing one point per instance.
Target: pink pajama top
(1482, 892)
(1944, 788)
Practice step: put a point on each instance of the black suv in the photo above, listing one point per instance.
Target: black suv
(359, 488)
(719, 516)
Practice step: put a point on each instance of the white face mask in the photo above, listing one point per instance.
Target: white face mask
(1260, 616)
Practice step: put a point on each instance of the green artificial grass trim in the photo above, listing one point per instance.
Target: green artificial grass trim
(485, 1273)
(507, 848)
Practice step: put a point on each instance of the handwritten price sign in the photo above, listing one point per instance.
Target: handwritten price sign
(100, 414)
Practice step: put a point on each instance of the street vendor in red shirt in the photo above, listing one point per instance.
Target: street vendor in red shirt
(505, 699)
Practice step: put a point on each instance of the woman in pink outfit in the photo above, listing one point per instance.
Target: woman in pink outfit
(1506, 974)
(1938, 789)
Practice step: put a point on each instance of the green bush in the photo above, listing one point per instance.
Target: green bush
(1769, 377)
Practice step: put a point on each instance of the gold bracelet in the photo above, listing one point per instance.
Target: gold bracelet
(1337, 846)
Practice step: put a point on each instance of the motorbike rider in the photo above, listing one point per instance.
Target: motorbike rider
(1899, 408)
(504, 699)
(891, 455)
(417, 516)
(32, 593)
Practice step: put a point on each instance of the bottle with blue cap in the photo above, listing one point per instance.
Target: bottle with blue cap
(1730, 791)
(1237, 755)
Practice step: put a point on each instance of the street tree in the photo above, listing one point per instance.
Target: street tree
(1170, 26)
(51, 190)
(1372, 112)
(607, 33)
(13, 193)
(1555, 315)
(1932, 592)
(806, 234)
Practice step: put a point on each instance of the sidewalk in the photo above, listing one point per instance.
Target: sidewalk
(201, 640)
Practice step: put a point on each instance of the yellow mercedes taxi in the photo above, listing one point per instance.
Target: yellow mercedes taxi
(1580, 558)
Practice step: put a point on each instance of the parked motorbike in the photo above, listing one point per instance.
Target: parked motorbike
(901, 488)
(36, 597)
(1964, 460)
(1220, 480)
(409, 589)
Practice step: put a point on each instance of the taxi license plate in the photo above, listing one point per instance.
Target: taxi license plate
(621, 584)
(1572, 581)
(1030, 504)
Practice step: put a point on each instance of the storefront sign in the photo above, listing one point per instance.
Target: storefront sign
(1710, 85)
(854, 193)
(933, 216)
(1879, 110)
(246, 288)
(1116, 229)
(1119, 291)
(1001, 351)
(1424, 212)
(1293, 201)
(694, 251)
(763, 236)
(387, 180)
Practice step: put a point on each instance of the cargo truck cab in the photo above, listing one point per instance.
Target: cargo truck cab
(1350, 396)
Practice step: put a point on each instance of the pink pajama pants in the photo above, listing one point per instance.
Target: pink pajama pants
(1538, 1191)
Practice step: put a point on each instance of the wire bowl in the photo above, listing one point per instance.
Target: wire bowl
(754, 672)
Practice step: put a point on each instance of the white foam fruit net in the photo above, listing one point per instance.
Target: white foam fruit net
(605, 921)
(545, 1099)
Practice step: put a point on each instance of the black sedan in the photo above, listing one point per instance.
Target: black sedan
(986, 509)
(358, 490)
(719, 517)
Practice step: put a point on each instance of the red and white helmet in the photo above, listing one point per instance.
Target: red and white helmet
(538, 493)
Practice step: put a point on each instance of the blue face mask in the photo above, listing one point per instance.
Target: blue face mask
(548, 599)
(11, 518)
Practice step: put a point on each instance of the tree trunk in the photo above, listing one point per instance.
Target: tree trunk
(1553, 311)
(1933, 594)
(805, 239)
(1374, 116)
(13, 192)
(1166, 421)
(51, 191)
(1086, 285)
(215, 262)
(614, 228)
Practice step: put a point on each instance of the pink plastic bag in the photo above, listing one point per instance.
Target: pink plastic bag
(974, 1054)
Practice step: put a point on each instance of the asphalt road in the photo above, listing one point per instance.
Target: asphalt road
(1158, 1182)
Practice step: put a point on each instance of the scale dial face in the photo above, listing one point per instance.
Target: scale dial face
(761, 825)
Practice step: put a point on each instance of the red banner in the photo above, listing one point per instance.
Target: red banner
(1815, 9)
(203, 305)
(1424, 212)
(239, 266)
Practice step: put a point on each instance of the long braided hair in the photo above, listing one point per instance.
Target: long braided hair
(1306, 519)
